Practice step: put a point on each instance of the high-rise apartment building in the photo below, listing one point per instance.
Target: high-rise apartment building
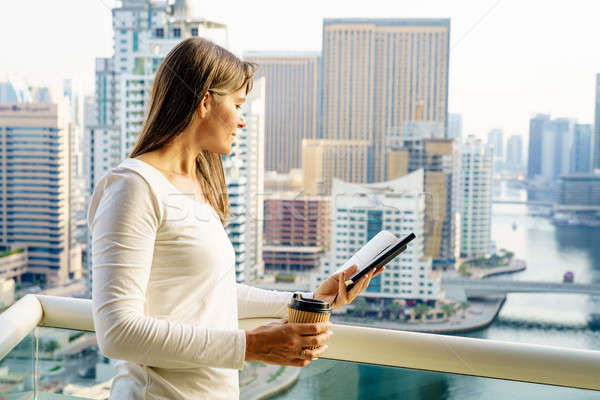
(291, 108)
(360, 211)
(144, 32)
(475, 198)
(244, 173)
(35, 176)
(422, 146)
(378, 73)
(296, 231)
(596, 138)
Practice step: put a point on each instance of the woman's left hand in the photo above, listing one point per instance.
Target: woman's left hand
(333, 290)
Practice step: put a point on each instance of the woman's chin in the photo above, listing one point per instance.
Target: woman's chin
(225, 150)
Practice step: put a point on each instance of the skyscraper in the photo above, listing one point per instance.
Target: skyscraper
(581, 152)
(475, 198)
(34, 188)
(596, 138)
(291, 105)
(536, 134)
(557, 143)
(378, 73)
(514, 153)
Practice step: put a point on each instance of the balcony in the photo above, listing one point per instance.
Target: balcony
(540, 371)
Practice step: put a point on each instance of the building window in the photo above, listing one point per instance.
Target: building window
(176, 32)
(159, 32)
(194, 31)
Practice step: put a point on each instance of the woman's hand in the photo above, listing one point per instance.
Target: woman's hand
(333, 290)
(282, 343)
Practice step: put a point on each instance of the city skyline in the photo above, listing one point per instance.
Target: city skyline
(522, 62)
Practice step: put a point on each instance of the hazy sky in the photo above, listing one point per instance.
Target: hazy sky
(523, 57)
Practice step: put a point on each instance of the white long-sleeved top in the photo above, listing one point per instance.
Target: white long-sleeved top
(164, 294)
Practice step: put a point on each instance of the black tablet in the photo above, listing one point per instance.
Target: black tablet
(382, 259)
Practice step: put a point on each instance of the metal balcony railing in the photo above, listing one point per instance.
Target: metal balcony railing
(548, 365)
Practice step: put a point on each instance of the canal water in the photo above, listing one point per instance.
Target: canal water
(551, 319)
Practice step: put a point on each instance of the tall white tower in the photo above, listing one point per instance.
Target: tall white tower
(144, 32)
(475, 197)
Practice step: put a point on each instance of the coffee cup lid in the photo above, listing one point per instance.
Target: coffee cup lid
(310, 305)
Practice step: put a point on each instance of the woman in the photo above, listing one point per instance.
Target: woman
(165, 299)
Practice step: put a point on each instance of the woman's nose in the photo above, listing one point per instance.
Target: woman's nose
(242, 123)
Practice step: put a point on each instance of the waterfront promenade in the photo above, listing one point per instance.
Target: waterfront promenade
(260, 381)
(479, 315)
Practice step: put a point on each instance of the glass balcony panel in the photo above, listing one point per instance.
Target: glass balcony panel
(17, 370)
(55, 363)
(329, 379)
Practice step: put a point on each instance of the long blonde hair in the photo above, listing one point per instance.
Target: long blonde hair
(192, 68)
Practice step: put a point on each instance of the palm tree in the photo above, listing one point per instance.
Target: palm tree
(421, 309)
(394, 310)
(361, 306)
(448, 309)
(463, 306)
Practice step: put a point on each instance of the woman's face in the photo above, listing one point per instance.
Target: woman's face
(222, 119)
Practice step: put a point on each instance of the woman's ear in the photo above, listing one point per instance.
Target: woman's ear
(205, 105)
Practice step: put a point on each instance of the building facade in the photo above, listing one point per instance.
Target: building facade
(536, 135)
(579, 194)
(422, 146)
(291, 107)
(323, 160)
(296, 232)
(376, 73)
(475, 198)
(557, 144)
(35, 168)
(582, 150)
(359, 212)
